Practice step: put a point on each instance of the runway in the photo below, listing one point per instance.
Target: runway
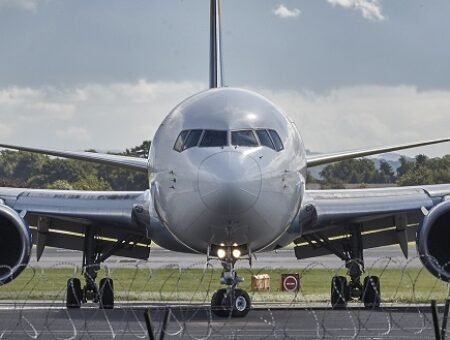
(284, 258)
(52, 321)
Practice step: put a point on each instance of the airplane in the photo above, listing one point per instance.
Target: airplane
(227, 171)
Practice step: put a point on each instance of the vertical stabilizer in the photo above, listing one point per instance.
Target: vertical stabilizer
(215, 53)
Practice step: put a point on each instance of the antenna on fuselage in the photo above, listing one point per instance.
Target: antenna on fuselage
(215, 48)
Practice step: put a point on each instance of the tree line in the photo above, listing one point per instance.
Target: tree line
(28, 170)
(420, 170)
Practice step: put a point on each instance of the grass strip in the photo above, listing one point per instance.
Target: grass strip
(411, 285)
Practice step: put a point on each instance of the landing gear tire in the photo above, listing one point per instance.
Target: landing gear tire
(339, 292)
(219, 305)
(237, 303)
(371, 292)
(106, 294)
(74, 293)
(241, 303)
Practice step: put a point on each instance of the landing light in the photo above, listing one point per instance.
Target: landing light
(221, 253)
(236, 253)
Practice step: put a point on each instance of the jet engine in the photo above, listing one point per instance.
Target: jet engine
(15, 244)
(433, 241)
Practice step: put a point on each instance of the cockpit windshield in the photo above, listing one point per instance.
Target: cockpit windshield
(219, 138)
(244, 138)
(214, 138)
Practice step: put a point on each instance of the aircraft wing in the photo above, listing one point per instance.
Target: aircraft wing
(386, 216)
(315, 160)
(58, 218)
(134, 163)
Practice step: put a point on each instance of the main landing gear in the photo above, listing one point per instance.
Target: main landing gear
(230, 301)
(93, 256)
(343, 290)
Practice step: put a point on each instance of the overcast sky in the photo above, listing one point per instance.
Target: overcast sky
(103, 73)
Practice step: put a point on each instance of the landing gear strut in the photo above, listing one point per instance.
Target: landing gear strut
(230, 301)
(102, 294)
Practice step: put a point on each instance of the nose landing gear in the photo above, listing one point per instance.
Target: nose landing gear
(230, 301)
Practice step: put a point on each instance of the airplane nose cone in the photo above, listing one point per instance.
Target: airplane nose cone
(229, 182)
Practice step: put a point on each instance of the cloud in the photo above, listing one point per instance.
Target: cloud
(119, 115)
(110, 116)
(29, 5)
(283, 12)
(74, 133)
(370, 9)
(367, 116)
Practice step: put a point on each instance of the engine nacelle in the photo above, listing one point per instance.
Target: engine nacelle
(15, 244)
(433, 241)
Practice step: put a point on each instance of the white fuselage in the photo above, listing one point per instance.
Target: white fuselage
(211, 195)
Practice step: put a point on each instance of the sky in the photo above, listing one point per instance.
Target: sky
(103, 73)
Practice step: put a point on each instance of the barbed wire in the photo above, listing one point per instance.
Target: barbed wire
(33, 305)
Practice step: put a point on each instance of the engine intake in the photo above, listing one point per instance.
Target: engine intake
(15, 244)
(433, 241)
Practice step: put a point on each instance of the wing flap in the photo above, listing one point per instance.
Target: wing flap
(376, 239)
(72, 241)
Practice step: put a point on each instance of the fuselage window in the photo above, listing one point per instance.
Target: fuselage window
(276, 140)
(243, 138)
(265, 139)
(179, 144)
(214, 138)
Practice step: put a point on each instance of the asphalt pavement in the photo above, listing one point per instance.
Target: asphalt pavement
(53, 321)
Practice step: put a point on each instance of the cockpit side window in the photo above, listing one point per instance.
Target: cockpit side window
(264, 138)
(179, 144)
(244, 138)
(214, 138)
(276, 140)
(187, 139)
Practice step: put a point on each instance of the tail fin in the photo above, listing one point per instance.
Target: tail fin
(215, 53)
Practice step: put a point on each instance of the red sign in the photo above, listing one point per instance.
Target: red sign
(290, 282)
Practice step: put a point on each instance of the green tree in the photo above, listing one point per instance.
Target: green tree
(405, 166)
(60, 185)
(140, 150)
(385, 173)
(93, 183)
(350, 171)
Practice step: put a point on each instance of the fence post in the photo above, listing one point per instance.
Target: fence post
(164, 325)
(437, 332)
(148, 322)
(444, 320)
